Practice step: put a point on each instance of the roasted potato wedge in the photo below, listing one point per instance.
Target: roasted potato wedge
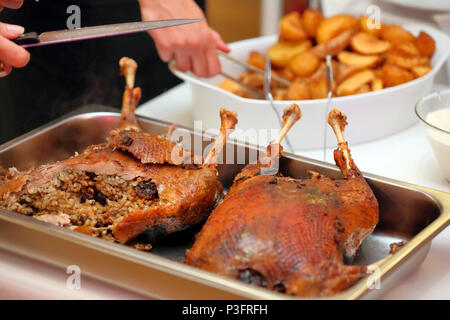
(321, 71)
(424, 62)
(405, 55)
(378, 72)
(355, 83)
(299, 90)
(282, 52)
(229, 85)
(257, 60)
(304, 64)
(365, 43)
(234, 88)
(394, 75)
(396, 34)
(287, 73)
(406, 49)
(377, 84)
(291, 28)
(345, 71)
(335, 45)
(252, 79)
(280, 94)
(334, 26)
(355, 59)
(364, 89)
(318, 88)
(403, 61)
(420, 71)
(366, 57)
(425, 44)
(311, 20)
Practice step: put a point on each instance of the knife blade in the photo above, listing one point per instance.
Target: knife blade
(32, 39)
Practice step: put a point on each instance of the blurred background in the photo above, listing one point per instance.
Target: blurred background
(236, 20)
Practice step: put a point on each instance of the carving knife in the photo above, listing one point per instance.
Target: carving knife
(32, 39)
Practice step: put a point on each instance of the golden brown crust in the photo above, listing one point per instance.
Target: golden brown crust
(150, 148)
(289, 234)
(286, 230)
(335, 45)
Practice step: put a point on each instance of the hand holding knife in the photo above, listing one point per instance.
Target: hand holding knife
(33, 39)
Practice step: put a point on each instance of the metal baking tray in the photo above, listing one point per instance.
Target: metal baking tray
(407, 213)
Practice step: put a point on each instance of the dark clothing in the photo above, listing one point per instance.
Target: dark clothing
(64, 77)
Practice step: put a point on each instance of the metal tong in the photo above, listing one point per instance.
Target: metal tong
(281, 80)
(330, 77)
(247, 66)
(268, 94)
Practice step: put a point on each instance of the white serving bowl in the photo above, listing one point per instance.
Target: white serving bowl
(371, 115)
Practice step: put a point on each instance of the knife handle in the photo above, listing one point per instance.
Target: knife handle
(27, 38)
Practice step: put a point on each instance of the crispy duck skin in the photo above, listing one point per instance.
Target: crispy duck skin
(290, 234)
(150, 148)
(186, 194)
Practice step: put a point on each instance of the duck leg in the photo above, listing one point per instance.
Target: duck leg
(268, 163)
(357, 213)
(342, 156)
(228, 122)
(131, 96)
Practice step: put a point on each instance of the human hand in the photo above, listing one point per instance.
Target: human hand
(11, 54)
(11, 4)
(192, 46)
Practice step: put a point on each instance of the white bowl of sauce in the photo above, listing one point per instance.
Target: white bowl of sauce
(434, 112)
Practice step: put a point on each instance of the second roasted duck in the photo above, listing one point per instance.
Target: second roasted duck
(287, 234)
(116, 190)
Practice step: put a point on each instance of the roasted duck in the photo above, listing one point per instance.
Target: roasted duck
(290, 234)
(134, 182)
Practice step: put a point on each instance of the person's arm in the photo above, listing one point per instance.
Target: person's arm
(192, 46)
(11, 55)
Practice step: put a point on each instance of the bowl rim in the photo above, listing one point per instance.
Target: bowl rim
(187, 76)
(428, 96)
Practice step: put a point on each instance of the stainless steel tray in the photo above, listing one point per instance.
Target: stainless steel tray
(407, 212)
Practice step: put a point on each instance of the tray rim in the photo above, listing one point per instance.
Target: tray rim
(178, 269)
